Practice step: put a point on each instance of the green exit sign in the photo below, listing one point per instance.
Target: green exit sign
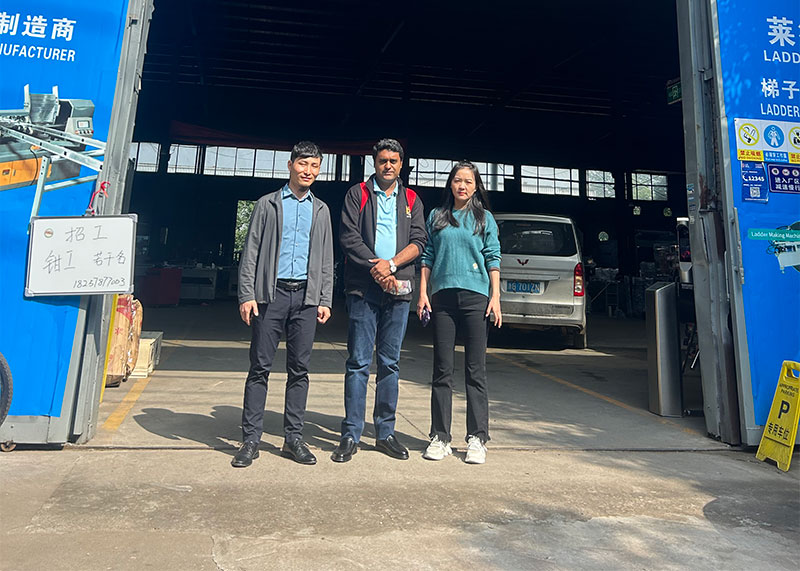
(673, 91)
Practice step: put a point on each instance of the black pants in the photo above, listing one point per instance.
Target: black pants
(286, 313)
(463, 311)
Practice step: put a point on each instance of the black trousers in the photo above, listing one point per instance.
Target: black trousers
(462, 311)
(286, 313)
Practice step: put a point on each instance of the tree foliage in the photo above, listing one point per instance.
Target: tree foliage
(244, 212)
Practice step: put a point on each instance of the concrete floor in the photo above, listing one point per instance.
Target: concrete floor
(579, 474)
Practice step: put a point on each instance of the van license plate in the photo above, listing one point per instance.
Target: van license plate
(524, 287)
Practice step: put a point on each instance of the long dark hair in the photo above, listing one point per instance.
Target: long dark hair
(478, 204)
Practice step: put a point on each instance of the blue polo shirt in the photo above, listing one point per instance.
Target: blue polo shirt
(295, 235)
(386, 226)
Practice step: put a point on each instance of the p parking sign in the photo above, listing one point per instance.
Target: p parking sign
(780, 432)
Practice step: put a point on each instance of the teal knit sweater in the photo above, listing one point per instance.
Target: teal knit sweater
(459, 258)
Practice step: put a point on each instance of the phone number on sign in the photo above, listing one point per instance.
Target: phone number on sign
(101, 282)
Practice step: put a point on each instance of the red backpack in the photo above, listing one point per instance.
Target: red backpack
(411, 196)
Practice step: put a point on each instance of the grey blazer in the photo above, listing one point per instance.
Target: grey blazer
(258, 266)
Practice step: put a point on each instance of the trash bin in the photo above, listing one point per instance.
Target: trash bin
(663, 349)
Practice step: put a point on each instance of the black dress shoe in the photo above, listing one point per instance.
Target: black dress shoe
(391, 447)
(347, 447)
(299, 452)
(246, 454)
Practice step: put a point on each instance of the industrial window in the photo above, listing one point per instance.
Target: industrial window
(649, 186)
(272, 164)
(232, 161)
(259, 163)
(494, 175)
(550, 180)
(600, 184)
(183, 159)
(369, 166)
(327, 170)
(220, 161)
(145, 156)
(345, 176)
(434, 173)
(429, 172)
(245, 162)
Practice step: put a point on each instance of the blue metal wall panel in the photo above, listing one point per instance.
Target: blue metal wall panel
(75, 46)
(760, 55)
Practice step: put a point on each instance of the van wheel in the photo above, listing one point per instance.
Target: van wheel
(579, 340)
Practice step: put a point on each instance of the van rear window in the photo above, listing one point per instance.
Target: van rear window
(535, 238)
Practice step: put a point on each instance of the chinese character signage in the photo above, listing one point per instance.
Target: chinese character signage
(760, 57)
(779, 85)
(772, 141)
(784, 178)
(754, 182)
(58, 71)
(80, 255)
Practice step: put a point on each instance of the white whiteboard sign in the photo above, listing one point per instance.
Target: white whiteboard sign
(80, 255)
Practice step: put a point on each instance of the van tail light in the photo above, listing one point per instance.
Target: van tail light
(577, 283)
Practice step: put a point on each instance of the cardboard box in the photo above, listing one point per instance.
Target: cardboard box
(124, 349)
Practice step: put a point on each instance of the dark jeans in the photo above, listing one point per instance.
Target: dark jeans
(285, 313)
(462, 311)
(376, 320)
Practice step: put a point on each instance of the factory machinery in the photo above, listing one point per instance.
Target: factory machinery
(787, 252)
(47, 142)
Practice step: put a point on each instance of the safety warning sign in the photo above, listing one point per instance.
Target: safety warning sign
(780, 432)
(772, 141)
(784, 178)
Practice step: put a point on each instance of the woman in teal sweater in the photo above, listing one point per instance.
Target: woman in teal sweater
(461, 263)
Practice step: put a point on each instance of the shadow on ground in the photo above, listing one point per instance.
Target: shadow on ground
(541, 394)
(221, 430)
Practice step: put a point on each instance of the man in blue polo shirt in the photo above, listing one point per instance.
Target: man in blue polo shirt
(382, 232)
(285, 284)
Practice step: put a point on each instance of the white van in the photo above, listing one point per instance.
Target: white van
(541, 275)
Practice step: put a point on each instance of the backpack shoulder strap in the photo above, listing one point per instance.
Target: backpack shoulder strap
(411, 196)
(364, 196)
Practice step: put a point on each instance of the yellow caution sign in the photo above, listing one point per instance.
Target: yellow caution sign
(750, 155)
(777, 442)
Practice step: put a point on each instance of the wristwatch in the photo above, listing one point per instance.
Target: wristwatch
(392, 267)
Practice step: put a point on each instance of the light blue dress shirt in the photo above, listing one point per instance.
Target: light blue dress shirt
(386, 226)
(295, 235)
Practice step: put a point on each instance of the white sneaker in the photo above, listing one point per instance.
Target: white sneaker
(476, 451)
(437, 450)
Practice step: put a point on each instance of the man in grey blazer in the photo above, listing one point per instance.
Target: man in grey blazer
(285, 285)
